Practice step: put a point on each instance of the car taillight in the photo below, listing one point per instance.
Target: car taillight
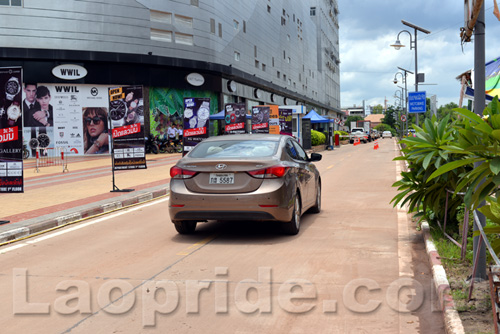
(269, 173)
(179, 173)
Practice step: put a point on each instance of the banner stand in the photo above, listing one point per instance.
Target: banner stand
(115, 188)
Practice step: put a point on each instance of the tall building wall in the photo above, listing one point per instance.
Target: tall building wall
(277, 41)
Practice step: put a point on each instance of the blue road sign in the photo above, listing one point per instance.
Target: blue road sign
(416, 102)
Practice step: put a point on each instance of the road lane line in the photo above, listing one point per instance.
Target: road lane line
(194, 247)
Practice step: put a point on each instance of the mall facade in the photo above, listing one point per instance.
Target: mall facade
(257, 52)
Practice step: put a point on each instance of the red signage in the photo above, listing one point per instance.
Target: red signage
(8, 134)
(195, 132)
(126, 130)
(259, 126)
(236, 126)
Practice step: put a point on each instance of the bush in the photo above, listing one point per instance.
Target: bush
(317, 138)
(342, 134)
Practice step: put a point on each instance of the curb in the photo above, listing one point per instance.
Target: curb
(453, 323)
(83, 212)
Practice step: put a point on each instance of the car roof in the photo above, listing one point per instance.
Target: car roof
(248, 136)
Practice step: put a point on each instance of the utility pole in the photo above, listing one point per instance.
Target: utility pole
(479, 104)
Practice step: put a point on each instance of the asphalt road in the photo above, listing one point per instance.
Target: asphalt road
(357, 267)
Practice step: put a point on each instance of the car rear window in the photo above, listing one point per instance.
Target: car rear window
(234, 149)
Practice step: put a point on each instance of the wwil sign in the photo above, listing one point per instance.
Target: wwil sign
(69, 72)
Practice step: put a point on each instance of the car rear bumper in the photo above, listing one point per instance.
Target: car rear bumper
(272, 201)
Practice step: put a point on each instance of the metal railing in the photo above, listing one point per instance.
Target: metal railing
(48, 157)
(494, 272)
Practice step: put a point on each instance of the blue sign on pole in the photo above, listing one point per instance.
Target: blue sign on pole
(416, 102)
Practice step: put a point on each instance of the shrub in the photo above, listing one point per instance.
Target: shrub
(317, 138)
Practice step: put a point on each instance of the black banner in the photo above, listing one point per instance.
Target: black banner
(11, 136)
(235, 117)
(126, 112)
(196, 115)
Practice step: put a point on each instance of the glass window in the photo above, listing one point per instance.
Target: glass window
(290, 149)
(302, 155)
(313, 11)
(4, 2)
(235, 149)
(16, 2)
(212, 26)
(162, 17)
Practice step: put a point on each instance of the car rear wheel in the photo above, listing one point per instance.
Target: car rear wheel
(317, 206)
(185, 226)
(293, 226)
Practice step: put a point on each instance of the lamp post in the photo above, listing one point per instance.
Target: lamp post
(401, 98)
(403, 77)
(413, 45)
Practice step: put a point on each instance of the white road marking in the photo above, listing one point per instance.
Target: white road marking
(82, 225)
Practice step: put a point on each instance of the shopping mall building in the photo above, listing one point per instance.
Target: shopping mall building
(281, 52)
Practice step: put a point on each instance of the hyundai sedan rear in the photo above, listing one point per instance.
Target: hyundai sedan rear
(244, 177)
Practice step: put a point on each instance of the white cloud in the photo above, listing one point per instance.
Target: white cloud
(368, 63)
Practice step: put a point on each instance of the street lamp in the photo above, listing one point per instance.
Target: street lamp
(404, 77)
(413, 45)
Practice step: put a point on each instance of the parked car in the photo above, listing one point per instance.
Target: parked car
(244, 177)
(386, 134)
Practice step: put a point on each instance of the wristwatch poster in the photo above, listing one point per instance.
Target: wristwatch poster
(39, 139)
(12, 88)
(13, 114)
(196, 121)
(127, 127)
(11, 131)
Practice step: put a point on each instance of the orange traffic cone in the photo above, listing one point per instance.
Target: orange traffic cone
(356, 142)
(375, 146)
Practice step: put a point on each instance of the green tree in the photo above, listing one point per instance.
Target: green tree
(390, 117)
(353, 119)
(378, 109)
(445, 110)
(384, 127)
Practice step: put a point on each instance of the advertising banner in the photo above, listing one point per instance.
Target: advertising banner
(196, 115)
(274, 120)
(235, 117)
(69, 116)
(260, 119)
(166, 106)
(11, 139)
(126, 111)
(286, 121)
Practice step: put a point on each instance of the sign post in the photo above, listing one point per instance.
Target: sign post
(417, 102)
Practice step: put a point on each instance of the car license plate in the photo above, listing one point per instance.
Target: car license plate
(221, 178)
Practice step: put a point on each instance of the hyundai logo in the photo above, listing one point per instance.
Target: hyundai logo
(220, 166)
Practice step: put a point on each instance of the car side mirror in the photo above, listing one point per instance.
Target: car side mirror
(315, 157)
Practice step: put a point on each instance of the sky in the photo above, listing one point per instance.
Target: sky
(368, 63)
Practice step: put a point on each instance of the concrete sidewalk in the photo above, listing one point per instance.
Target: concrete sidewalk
(52, 198)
